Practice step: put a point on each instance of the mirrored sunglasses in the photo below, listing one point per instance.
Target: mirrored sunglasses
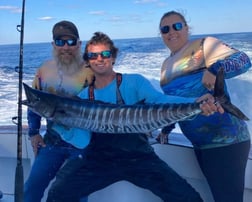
(62, 42)
(176, 26)
(104, 54)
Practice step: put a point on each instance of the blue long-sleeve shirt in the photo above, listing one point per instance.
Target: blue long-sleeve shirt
(182, 76)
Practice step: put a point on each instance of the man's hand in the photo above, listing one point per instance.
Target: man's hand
(37, 142)
(162, 138)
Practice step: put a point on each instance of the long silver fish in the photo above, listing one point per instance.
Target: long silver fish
(112, 118)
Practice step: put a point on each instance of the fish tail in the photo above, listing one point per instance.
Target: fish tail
(223, 99)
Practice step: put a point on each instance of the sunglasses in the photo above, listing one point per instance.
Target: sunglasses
(176, 26)
(104, 54)
(62, 42)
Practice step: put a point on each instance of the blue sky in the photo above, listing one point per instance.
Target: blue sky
(120, 19)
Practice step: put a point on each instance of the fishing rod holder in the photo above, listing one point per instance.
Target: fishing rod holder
(19, 28)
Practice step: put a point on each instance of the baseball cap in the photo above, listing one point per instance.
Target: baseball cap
(65, 28)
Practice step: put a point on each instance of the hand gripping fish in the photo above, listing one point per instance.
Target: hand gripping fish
(102, 117)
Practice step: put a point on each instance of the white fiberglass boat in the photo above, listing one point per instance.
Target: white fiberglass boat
(178, 154)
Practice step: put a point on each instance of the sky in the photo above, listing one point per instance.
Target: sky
(120, 19)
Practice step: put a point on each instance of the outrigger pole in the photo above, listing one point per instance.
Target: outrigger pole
(19, 177)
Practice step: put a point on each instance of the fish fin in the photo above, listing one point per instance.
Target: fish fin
(140, 102)
(232, 109)
(26, 103)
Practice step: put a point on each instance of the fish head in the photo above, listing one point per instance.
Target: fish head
(40, 103)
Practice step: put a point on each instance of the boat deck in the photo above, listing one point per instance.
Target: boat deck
(178, 146)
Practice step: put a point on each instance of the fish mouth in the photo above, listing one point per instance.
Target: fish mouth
(26, 103)
(30, 98)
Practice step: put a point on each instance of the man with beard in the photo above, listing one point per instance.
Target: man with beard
(64, 75)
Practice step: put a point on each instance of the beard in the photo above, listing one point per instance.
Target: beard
(68, 62)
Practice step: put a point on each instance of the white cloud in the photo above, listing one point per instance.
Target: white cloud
(97, 12)
(12, 9)
(145, 1)
(115, 19)
(46, 18)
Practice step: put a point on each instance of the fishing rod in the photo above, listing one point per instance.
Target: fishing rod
(19, 176)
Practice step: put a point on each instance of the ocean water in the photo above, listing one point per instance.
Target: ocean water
(144, 56)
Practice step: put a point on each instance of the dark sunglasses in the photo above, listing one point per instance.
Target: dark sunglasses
(104, 54)
(176, 26)
(69, 42)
